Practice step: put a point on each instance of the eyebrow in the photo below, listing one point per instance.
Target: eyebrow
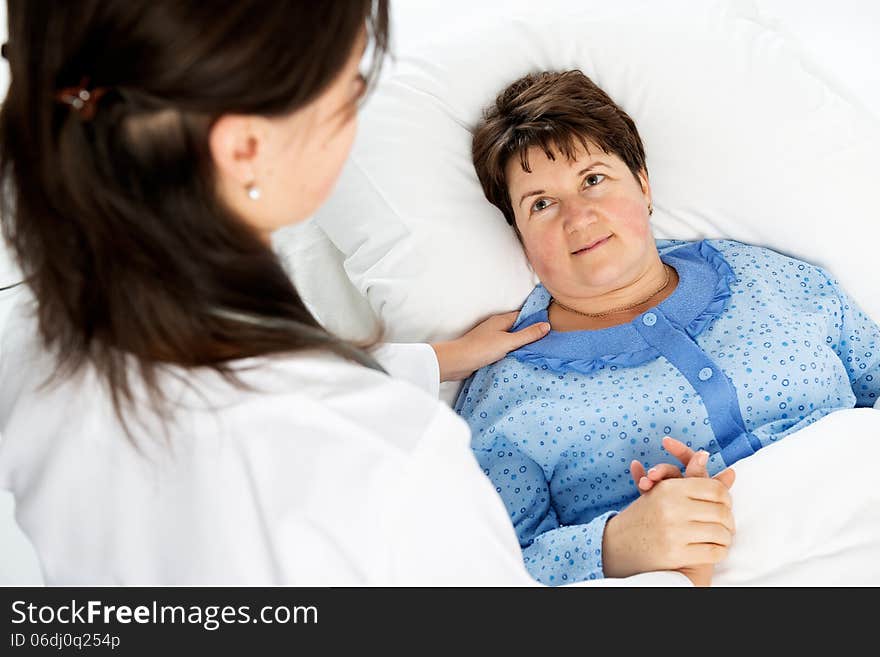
(587, 169)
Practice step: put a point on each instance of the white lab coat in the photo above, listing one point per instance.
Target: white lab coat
(326, 473)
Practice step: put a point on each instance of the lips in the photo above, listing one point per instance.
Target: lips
(595, 244)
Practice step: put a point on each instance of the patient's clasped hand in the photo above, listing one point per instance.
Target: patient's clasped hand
(724, 346)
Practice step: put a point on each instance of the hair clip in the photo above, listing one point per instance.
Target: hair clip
(81, 98)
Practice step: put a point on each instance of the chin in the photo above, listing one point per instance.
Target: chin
(605, 278)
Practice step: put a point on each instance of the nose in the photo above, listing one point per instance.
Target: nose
(578, 214)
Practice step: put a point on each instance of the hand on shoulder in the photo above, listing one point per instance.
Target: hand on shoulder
(488, 342)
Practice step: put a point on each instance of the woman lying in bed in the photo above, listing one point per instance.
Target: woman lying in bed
(725, 346)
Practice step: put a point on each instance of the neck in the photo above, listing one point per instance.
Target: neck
(645, 291)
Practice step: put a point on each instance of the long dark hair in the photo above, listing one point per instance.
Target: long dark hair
(114, 217)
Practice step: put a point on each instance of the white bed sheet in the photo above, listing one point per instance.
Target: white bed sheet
(807, 509)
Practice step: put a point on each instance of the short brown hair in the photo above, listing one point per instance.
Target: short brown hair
(553, 110)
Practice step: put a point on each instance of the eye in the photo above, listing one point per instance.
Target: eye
(540, 204)
(593, 179)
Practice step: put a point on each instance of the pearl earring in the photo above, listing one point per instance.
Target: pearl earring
(253, 192)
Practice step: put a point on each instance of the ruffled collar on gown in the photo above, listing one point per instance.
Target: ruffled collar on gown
(702, 294)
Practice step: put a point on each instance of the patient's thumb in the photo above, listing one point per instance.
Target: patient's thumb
(696, 467)
(726, 477)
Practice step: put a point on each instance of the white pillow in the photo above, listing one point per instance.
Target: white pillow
(742, 141)
(317, 269)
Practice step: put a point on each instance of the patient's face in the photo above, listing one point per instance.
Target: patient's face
(584, 223)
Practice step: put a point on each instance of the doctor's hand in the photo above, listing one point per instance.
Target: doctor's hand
(487, 342)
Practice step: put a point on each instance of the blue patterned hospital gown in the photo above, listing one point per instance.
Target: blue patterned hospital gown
(750, 347)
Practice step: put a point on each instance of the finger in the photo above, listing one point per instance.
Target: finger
(678, 449)
(706, 490)
(710, 532)
(636, 470)
(696, 467)
(710, 513)
(645, 485)
(528, 334)
(663, 471)
(726, 477)
(505, 320)
(700, 553)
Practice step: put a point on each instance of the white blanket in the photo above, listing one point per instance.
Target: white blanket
(807, 509)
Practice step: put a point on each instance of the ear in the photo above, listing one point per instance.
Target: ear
(645, 184)
(235, 144)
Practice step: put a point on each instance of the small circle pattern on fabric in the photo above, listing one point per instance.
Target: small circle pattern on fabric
(558, 444)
